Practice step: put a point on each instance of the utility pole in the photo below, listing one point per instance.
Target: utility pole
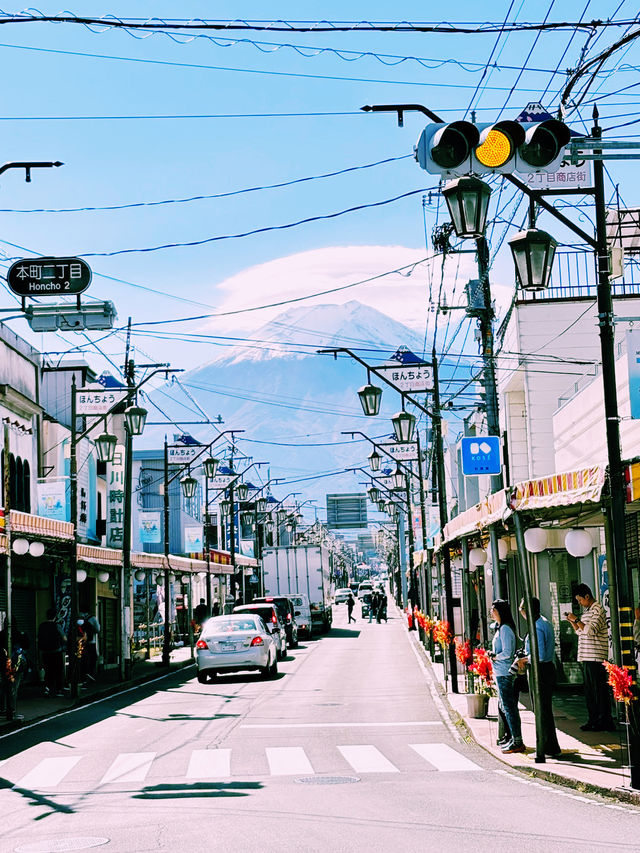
(126, 591)
(166, 645)
(72, 636)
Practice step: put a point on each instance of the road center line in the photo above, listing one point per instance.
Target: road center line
(340, 725)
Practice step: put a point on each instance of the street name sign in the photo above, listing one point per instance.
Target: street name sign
(480, 455)
(405, 451)
(49, 276)
(222, 481)
(179, 454)
(408, 377)
(98, 401)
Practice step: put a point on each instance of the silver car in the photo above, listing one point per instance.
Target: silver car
(233, 643)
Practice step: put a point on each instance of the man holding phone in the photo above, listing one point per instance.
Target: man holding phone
(593, 649)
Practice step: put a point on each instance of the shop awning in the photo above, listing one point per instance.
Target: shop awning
(569, 488)
(94, 555)
(38, 525)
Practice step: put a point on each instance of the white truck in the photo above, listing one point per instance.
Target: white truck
(301, 569)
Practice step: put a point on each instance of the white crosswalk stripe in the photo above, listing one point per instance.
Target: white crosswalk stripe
(48, 773)
(209, 764)
(367, 759)
(443, 757)
(218, 764)
(284, 760)
(129, 767)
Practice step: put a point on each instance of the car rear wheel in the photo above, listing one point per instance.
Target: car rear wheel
(203, 677)
(273, 669)
(282, 654)
(294, 641)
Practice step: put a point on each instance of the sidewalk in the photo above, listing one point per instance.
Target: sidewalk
(34, 705)
(590, 761)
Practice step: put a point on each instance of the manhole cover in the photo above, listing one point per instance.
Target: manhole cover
(60, 845)
(328, 780)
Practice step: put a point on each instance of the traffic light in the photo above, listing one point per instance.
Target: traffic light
(462, 148)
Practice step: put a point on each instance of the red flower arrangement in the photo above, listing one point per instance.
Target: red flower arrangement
(621, 682)
(483, 668)
(463, 652)
(442, 633)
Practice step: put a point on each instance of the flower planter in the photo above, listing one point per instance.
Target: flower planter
(477, 705)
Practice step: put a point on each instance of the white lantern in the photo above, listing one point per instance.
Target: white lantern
(140, 575)
(578, 542)
(20, 546)
(477, 556)
(103, 577)
(503, 548)
(36, 549)
(81, 575)
(535, 539)
(185, 578)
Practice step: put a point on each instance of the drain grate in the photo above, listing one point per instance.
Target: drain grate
(61, 845)
(328, 780)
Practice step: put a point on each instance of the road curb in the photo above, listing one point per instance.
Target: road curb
(620, 794)
(11, 727)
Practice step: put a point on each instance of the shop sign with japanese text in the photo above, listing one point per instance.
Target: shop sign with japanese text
(222, 481)
(94, 401)
(49, 276)
(115, 499)
(417, 378)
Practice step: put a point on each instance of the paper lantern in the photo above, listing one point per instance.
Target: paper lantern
(578, 542)
(477, 556)
(20, 546)
(503, 548)
(185, 578)
(535, 539)
(103, 577)
(140, 575)
(36, 549)
(81, 575)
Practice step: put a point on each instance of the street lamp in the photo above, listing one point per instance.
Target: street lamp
(374, 494)
(370, 396)
(106, 446)
(533, 251)
(468, 201)
(189, 486)
(225, 507)
(403, 426)
(242, 492)
(398, 478)
(281, 516)
(261, 506)
(210, 465)
(382, 505)
(374, 460)
(135, 417)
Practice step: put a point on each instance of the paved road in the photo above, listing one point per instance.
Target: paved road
(346, 750)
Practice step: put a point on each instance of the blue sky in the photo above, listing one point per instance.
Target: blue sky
(112, 161)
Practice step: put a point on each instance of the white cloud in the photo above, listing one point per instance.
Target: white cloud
(405, 298)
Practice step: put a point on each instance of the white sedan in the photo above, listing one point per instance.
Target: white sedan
(341, 596)
(233, 643)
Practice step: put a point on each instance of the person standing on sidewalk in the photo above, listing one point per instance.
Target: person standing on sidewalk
(51, 645)
(547, 670)
(91, 628)
(503, 654)
(593, 650)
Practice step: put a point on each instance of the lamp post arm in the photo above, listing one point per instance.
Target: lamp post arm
(237, 477)
(204, 448)
(403, 467)
(405, 396)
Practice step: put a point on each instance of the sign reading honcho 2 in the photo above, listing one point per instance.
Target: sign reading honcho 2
(49, 276)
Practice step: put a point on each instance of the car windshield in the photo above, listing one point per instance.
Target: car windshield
(227, 625)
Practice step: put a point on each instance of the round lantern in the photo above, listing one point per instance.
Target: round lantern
(36, 549)
(503, 548)
(535, 539)
(20, 546)
(477, 556)
(140, 575)
(578, 542)
(81, 575)
(103, 577)
(185, 579)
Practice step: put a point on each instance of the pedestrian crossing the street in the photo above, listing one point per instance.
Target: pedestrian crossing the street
(134, 768)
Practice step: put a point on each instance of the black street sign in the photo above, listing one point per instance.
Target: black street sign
(49, 276)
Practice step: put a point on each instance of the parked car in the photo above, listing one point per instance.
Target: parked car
(286, 612)
(269, 615)
(302, 612)
(234, 643)
(365, 586)
(341, 596)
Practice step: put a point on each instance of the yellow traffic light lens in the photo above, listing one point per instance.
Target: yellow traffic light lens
(495, 150)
